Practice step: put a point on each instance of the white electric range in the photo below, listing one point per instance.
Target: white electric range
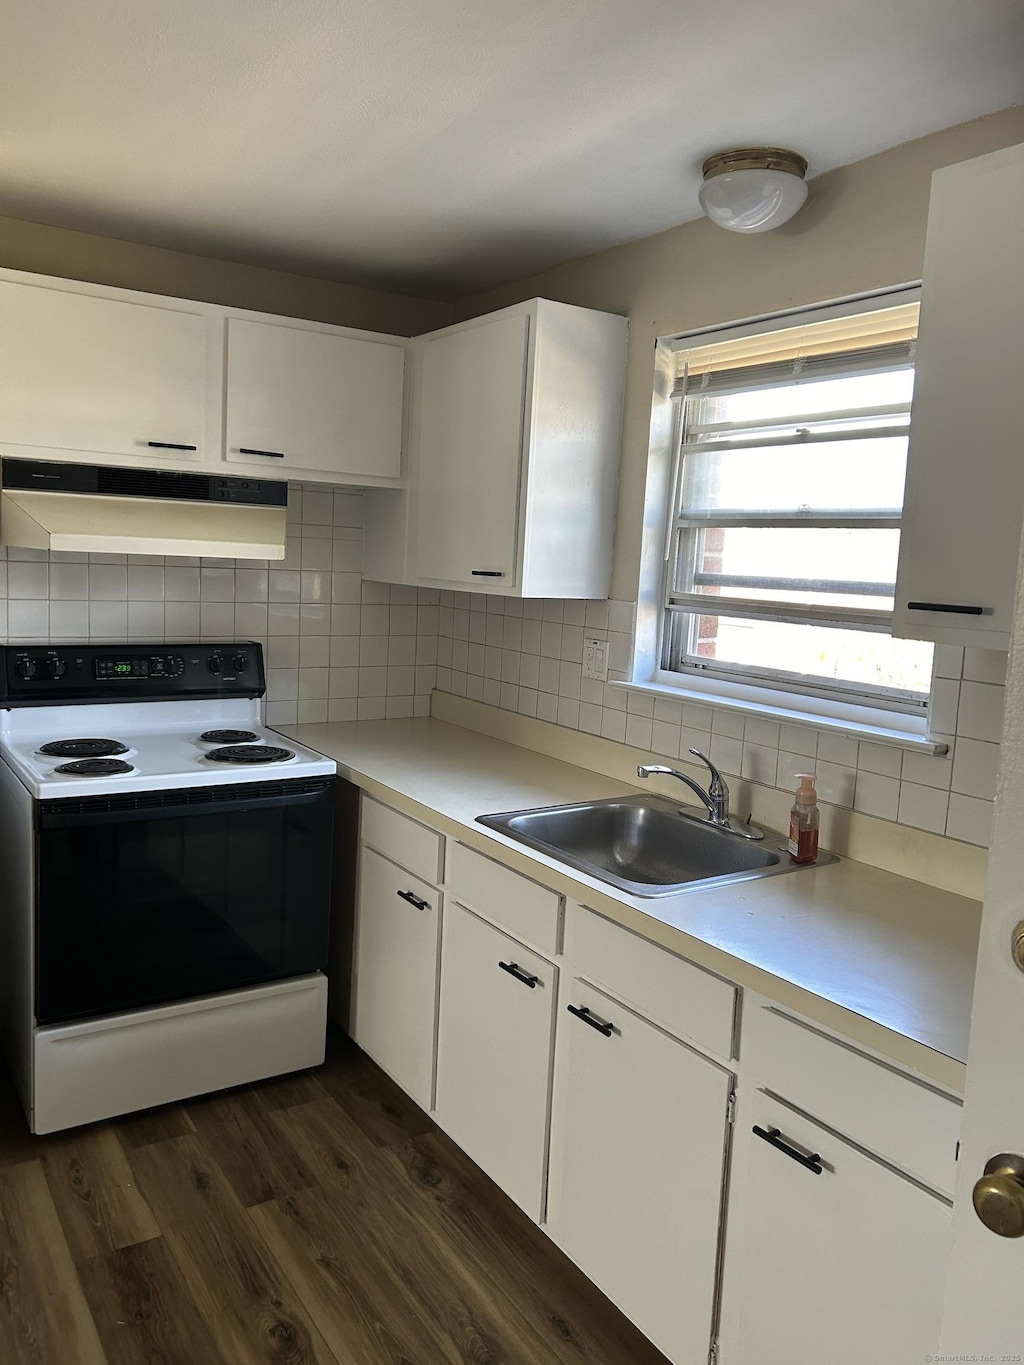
(165, 878)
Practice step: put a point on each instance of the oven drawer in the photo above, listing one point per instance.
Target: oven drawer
(90, 1071)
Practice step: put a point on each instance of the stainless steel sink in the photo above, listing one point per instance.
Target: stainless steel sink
(646, 845)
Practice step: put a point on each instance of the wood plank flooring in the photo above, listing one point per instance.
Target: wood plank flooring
(319, 1219)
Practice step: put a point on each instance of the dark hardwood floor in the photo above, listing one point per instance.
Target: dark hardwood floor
(320, 1219)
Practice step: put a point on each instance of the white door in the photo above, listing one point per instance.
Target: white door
(394, 1001)
(469, 431)
(301, 399)
(984, 1308)
(840, 1261)
(638, 1140)
(83, 377)
(494, 1053)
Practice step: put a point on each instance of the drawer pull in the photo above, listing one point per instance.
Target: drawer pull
(514, 969)
(773, 1138)
(413, 900)
(271, 454)
(169, 445)
(946, 606)
(487, 573)
(582, 1012)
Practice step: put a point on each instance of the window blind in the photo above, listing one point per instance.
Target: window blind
(880, 340)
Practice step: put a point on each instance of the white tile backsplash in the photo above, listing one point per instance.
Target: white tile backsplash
(948, 794)
(341, 648)
(312, 612)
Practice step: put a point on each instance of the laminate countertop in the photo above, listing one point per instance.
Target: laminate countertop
(885, 960)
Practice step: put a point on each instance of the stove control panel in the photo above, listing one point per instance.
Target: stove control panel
(144, 666)
(41, 675)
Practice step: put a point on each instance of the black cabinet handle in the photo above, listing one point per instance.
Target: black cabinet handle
(581, 1012)
(515, 970)
(487, 573)
(169, 445)
(413, 900)
(946, 606)
(773, 1137)
(271, 454)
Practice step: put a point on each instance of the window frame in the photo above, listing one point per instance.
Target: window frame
(889, 713)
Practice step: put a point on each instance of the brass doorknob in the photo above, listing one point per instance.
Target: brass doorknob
(999, 1195)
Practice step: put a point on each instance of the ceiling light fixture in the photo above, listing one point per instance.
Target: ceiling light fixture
(753, 189)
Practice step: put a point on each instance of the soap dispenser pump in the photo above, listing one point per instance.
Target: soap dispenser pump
(804, 820)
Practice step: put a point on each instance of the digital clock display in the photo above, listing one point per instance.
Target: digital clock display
(121, 670)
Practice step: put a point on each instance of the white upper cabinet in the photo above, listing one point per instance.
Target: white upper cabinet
(964, 501)
(469, 429)
(300, 398)
(83, 376)
(514, 457)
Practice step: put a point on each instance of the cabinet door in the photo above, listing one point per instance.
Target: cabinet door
(847, 1266)
(469, 433)
(299, 399)
(638, 1141)
(494, 1053)
(395, 977)
(86, 377)
(964, 498)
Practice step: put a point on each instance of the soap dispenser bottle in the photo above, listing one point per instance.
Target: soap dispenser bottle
(804, 820)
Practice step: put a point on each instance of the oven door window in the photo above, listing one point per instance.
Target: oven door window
(163, 896)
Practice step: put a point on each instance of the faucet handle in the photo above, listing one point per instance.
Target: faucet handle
(716, 777)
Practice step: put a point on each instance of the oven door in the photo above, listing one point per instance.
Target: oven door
(151, 897)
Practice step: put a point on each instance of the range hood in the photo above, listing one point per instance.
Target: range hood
(108, 510)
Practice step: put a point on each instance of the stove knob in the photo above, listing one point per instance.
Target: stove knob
(25, 668)
(56, 668)
(240, 663)
(214, 663)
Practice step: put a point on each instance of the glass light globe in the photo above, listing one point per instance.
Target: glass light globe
(752, 199)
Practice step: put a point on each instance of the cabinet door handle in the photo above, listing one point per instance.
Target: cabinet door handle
(514, 969)
(271, 454)
(773, 1137)
(487, 573)
(413, 900)
(169, 445)
(946, 606)
(582, 1012)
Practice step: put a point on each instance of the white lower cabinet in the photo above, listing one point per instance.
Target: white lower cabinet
(811, 1227)
(494, 1053)
(639, 1137)
(394, 1002)
(846, 1266)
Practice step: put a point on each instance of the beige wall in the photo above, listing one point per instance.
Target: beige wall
(862, 228)
(129, 265)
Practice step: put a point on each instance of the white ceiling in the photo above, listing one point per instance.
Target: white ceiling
(446, 146)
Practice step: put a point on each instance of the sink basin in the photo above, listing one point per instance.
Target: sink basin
(645, 844)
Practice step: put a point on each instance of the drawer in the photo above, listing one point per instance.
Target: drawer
(401, 839)
(526, 910)
(681, 997)
(905, 1121)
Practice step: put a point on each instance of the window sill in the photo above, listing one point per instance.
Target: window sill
(833, 716)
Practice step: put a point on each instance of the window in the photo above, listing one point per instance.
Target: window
(785, 510)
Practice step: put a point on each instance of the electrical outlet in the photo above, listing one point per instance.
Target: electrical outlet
(595, 659)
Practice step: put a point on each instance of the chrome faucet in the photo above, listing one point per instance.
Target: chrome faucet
(716, 798)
